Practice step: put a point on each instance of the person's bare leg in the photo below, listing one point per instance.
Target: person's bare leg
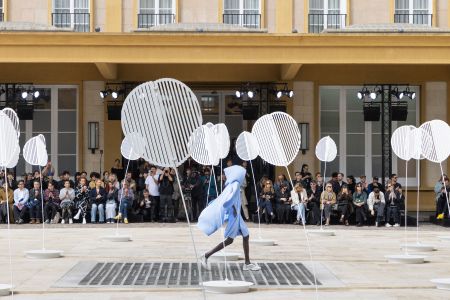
(246, 246)
(219, 247)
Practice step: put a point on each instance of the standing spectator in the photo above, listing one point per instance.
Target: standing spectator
(140, 182)
(176, 196)
(193, 184)
(152, 183)
(35, 203)
(374, 184)
(327, 199)
(21, 196)
(344, 200)
(351, 183)
(126, 198)
(209, 187)
(266, 196)
(105, 178)
(314, 201)
(393, 202)
(297, 179)
(341, 181)
(363, 182)
(5, 203)
(376, 203)
(66, 196)
(360, 202)
(66, 176)
(52, 204)
(12, 184)
(306, 176)
(336, 186)
(319, 180)
(165, 196)
(118, 170)
(82, 199)
(299, 201)
(35, 176)
(283, 200)
(112, 199)
(131, 182)
(396, 185)
(48, 170)
(281, 180)
(97, 197)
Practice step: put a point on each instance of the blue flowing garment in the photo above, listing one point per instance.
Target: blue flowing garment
(226, 208)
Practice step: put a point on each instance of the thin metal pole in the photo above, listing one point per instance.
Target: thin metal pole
(42, 212)
(9, 235)
(257, 201)
(418, 191)
(406, 207)
(320, 199)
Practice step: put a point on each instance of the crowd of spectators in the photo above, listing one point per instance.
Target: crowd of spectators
(153, 195)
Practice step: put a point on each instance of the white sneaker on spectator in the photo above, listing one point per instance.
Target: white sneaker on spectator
(70, 221)
(396, 225)
(63, 222)
(204, 262)
(376, 224)
(388, 225)
(84, 221)
(251, 267)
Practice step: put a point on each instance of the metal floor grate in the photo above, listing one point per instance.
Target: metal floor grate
(185, 274)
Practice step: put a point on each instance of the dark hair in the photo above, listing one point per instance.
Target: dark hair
(376, 189)
(65, 172)
(334, 174)
(77, 174)
(303, 166)
(392, 176)
(297, 173)
(21, 181)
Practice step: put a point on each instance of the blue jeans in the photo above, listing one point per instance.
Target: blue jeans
(301, 212)
(123, 209)
(101, 212)
(267, 205)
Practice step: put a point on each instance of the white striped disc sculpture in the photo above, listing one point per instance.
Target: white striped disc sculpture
(203, 146)
(35, 153)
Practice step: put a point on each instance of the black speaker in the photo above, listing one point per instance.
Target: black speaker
(250, 112)
(371, 113)
(114, 112)
(274, 108)
(25, 112)
(399, 112)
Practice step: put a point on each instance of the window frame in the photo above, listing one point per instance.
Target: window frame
(411, 11)
(241, 11)
(343, 10)
(73, 13)
(157, 7)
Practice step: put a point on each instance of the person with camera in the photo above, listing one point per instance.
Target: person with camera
(66, 196)
(360, 202)
(165, 196)
(376, 203)
(35, 204)
(327, 200)
(52, 204)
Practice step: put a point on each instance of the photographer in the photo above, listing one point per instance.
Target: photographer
(165, 196)
(376, 205)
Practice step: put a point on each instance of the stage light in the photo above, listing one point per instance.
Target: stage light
(290, 93)
(279, 94)
(360, 95)
(238, 94)
(397, 94)
(24, 95)
(412, 95)
(103, 94)
(250, 94)
(36, 94)
(373, 95)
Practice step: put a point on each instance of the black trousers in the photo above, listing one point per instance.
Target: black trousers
(315, 209)
(360, 212)
(21, 214)
(441, 206)
(50, 210)
(284, 213)
(343, 210)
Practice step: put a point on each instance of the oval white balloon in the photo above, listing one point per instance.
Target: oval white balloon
(326, 149)
(203, 146)
(133, 146)
(400, 142)
(222, 139)
(278, 138)
(247, 147)
(14, 119)
(35, 151)
(415, 143)
(165, 113)
(9, 139)
(15, 159)
(435, 146)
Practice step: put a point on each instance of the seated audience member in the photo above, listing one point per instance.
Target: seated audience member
(82, 199)
(297, 178)
(283, 200)
(341, 181)
(306, 176)
(51, 204)
(327, 199)
(374, 184)
(105, 178)
(21, 196)
(12, 183)
(94, 177)
(266, 197)
(351, 183)
(393, 204)
(319, 181)
(394, 182)
(360, 202)
(335, 185)
(281, 180)
(364, 184)
(376, 204)
(299, 202)
(112, 200)
(98, 199)
(66, 176)
(35, 203)
(126, 198)
(441, 204)
(147, 206)
(314, 201)
(344, 200)
(5, 203)
(67, 196)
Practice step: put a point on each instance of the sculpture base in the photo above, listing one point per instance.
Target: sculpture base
(43, 254)
(262, 242)
(321, 232)
(442, 283)
(222, 256)
(405, 259)
(444, 238)
(418, 247)
(116, 238)
(5, 289)
(227, 286)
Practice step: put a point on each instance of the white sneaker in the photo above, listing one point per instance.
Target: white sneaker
(396, 225)
(388, 225)
(376, 224)
(70, 221)
(204, 262)
(84, 221)
(251, 267)
(63, 222)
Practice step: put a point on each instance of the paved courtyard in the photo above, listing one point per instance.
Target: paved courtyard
(355, 257)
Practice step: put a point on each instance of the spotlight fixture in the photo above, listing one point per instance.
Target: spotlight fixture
(250, 94)
(36, 94)
(397, 94)
(363, 93)
(238, 94)
(410, 94)
(105, 93)
(279, 94)
(116, 94)
(290, 94)
(24, 95)
(285, 92)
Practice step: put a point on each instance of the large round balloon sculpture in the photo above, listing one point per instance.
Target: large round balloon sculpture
(35, 153)
(166, 111)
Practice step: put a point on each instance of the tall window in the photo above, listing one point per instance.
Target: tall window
(71, 14)
(413, 12)
(1, 11)
(359, 142)
(156, 12)
(245, 13)
(325, 14)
